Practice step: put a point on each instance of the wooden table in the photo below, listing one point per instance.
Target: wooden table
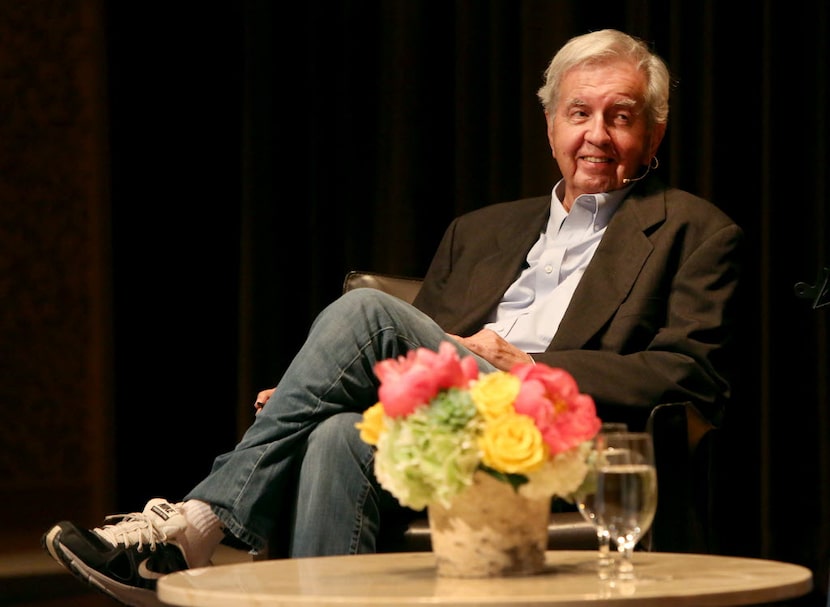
(569, 580)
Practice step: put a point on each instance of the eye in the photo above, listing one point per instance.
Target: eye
(577, 114)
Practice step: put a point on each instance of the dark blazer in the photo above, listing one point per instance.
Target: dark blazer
(650, 322)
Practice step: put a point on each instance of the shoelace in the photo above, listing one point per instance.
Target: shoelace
(135, 528)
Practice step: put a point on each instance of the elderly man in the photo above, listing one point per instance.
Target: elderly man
(612, 276)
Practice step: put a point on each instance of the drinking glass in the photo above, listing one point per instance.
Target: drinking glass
(584, 499)
(626, 494)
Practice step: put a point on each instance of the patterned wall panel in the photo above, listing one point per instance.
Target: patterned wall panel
(54, 317)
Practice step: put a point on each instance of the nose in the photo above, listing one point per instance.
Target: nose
(597, 131)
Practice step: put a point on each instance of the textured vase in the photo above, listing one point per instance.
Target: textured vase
(489, 530)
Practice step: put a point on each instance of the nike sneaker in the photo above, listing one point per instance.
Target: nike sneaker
(124, 560)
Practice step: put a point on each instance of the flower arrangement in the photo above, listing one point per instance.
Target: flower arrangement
(439, 421)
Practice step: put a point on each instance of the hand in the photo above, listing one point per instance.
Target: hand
(262, 398)
(494, 349)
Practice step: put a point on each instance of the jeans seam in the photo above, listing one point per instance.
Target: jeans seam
(368, 473)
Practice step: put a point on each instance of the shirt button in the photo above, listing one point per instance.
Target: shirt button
(548, 269)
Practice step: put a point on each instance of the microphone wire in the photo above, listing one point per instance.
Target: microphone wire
(654, 161)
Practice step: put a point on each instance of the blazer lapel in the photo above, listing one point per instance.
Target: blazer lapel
(613, 270)
(495, 272)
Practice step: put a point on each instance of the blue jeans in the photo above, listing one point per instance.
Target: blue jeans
(301, 465)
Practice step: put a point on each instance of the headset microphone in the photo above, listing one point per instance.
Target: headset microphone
(656, 162)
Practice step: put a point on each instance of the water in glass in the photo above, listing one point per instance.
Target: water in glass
(626, 493)
(585, 504)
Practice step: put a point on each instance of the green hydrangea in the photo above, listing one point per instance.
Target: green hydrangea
(432, 454)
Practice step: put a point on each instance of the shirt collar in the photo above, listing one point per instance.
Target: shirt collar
(601, 205)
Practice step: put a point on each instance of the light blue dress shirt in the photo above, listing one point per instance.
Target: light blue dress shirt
(533, 306)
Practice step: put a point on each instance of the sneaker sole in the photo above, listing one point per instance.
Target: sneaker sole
(127, 595)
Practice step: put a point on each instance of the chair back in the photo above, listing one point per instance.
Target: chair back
(402, 287)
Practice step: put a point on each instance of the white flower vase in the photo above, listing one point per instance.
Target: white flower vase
(489, 530)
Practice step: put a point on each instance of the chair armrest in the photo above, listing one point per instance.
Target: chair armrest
(684, 450)
(566, 531)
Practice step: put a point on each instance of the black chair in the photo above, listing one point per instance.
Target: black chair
(684, 443)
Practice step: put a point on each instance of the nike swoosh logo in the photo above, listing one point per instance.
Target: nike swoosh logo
(145, 573)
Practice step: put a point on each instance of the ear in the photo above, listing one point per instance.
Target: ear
(549, 122)
(657, 134)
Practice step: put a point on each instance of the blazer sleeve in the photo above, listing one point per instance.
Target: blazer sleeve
(671, 339)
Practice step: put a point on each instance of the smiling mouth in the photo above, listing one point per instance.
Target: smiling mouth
(596, 160)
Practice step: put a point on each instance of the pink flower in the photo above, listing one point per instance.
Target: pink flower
(564, 416)
(411, 381)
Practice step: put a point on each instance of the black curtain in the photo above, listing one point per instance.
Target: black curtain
(320, 137)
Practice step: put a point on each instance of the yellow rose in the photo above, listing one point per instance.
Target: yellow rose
(513, 444)
(372, 425)
(495, 393)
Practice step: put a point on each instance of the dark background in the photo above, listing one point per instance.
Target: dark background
(256, 151)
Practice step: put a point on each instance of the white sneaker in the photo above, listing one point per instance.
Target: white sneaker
(124, 560)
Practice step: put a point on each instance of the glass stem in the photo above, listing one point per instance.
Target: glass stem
(605, 560)
(625, 568)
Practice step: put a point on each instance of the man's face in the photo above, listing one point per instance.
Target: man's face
(599, 133)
